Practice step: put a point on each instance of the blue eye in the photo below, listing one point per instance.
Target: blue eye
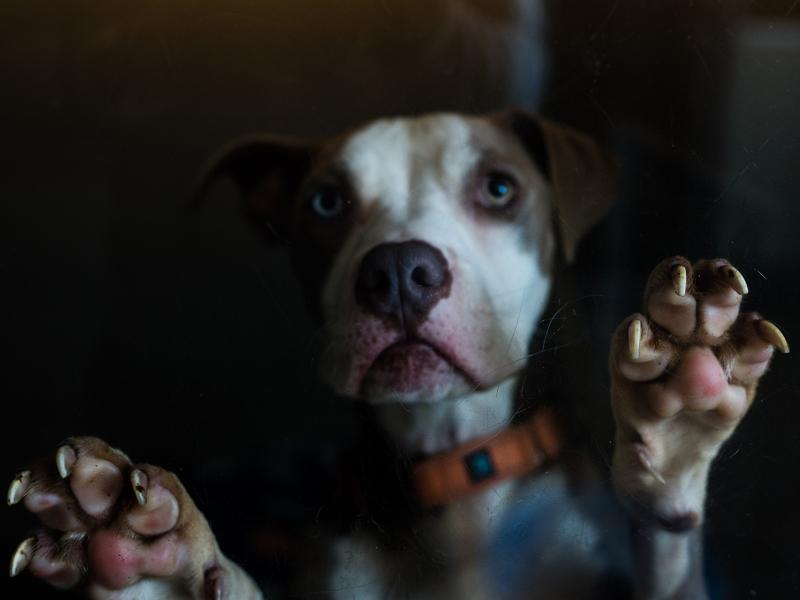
(498, 190)
(327, 202)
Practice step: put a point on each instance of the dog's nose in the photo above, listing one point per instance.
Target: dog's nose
(402, 280)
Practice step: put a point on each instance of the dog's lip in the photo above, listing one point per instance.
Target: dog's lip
(437, 349)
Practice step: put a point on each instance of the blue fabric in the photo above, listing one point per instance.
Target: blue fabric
(550, 525)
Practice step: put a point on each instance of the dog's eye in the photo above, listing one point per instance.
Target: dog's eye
(327, 202)
(498, 190)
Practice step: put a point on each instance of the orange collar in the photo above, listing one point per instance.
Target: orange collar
(483, 463)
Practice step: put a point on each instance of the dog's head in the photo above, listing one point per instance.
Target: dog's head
(425, 245)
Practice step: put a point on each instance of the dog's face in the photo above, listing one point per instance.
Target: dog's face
(426, 245)
(436, 290)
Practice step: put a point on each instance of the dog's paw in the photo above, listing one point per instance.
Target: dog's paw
(117, 529)
(682, 377)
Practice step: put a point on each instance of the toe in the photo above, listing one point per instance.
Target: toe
(55, 508)
(636, 353)
(719, 288)
(48, 559)
(47, 497)
(59, 562)
(96, 474)
(733, 406)
(669, 301)
(96, 484)
(55, 572)
(754, 343)
(752, 352)
(156, 510)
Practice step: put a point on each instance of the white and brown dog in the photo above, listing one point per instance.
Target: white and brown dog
(427, 248)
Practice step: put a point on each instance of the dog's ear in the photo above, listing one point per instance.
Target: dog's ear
(582, 173)
(268, 171)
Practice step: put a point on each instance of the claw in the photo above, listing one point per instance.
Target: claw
(139, 483)
(22, 556)
(634, 338)
(735, 280)
(770, 333)
(65, 459)
(18, 487)
(679, 280)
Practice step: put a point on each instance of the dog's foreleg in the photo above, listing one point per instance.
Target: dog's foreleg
(683, 375)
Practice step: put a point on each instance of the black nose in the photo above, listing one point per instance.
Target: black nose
(402, 280)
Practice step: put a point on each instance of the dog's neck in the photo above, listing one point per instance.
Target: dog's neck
(424, 429)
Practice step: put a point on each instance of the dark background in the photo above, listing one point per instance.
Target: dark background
(179, 337)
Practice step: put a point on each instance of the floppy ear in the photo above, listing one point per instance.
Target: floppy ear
(268, 171)
(582, 173)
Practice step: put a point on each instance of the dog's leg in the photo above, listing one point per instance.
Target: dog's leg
(119, 530)
(683, 376)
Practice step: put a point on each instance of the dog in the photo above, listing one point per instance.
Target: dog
(427, 248)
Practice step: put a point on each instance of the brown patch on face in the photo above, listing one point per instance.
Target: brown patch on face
(318, 234)
(498, 158)
(529, 133)
(279, 180)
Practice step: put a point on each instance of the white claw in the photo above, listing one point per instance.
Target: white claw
(65, 459)
(679, 280)
(22, 556)
(770, 333)
(736, 280)
(18, 487)
(139, 483)
(634, 338)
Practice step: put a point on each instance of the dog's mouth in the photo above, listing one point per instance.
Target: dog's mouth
(414, 371)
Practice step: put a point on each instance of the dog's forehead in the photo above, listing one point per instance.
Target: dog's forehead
(392, 156)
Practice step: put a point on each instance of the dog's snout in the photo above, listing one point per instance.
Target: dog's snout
(402, 280)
